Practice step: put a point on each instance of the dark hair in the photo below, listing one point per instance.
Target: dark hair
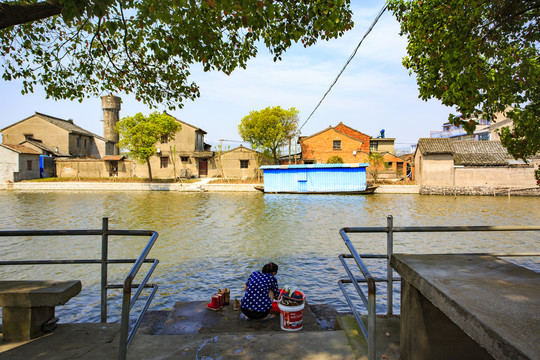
(270, 268)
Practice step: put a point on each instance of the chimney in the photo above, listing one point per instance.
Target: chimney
(111, 110)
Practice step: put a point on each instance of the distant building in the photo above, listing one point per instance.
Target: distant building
(351, 145)
(187, 155)
(446, 163)
(18, 162)
(50, 135)
(485, 130)
(239, 163)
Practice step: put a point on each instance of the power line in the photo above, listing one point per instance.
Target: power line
(347, 63)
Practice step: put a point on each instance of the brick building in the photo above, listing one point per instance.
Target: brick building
(343, 141)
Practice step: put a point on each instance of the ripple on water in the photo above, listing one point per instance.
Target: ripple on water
(207, 241)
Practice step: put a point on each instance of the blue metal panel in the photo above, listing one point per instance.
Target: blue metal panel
(315, 178)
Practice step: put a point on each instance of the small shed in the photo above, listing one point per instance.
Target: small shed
(18, 162)
(315, 178)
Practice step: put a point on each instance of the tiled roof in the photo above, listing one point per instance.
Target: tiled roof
(113, 157)
(21, 149)
(470, 153)
(429, 146)
(478, 147)
(480, 153)
(480, 159)
(68, 125)
(52, 149)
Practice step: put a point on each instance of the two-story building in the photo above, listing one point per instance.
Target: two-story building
(351, 145)
(49, 135)
(187, 155)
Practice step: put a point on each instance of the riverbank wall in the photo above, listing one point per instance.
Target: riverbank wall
(480, 190)
(180, 187)
(209, 187)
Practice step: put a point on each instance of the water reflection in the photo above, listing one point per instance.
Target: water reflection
(215, 240)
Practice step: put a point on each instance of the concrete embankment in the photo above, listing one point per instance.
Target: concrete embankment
(180, 187)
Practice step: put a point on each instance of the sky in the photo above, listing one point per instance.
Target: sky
(375, 91)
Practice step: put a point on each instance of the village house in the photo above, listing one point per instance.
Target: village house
(485, 129)
(18, 162)
(240, 163)
(454, 164)
(349, 144)
(352, 146)
(56, 137)
(185, 156)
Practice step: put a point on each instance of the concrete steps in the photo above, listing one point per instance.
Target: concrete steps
(190, 331)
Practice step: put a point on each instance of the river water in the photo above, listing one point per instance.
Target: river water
(211, 240)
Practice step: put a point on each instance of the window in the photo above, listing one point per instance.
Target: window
(28, 136)
(184, 159)
(164, 139)
(29, 165)
(164, 162)
(244, 164)
(337, 144)
(85, 143)
(483, 137)
(373, 145)
(78, 142)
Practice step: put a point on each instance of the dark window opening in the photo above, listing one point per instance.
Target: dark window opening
(373, 145)
(28, 136)
(28, 165)
(85, 143)
(164, 139)
(337, 144)
(164, 162)
(184, 159)
(244, 164)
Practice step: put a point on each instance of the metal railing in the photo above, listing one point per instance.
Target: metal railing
(370, 301)
(126, 334)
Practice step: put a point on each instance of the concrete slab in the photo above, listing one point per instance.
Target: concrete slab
(192, 334)
(494, 302)
(37, 293)
(194, 318)
(387, 336)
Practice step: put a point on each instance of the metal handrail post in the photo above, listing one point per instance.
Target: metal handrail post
(124, 321)
(389, 271)
(372, 318)
(104, 259)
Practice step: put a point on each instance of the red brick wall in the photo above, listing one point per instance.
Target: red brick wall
(320, 148)
(355, 134)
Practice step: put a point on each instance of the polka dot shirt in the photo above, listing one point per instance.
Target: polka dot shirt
(259, 285)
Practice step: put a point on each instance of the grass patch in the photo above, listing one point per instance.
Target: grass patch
(237, 181)
(114, 180)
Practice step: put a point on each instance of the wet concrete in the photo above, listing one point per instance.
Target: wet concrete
(194, 318)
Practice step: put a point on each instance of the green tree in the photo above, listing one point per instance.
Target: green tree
(481, 57)
(139, 134)
(376, 165)
(335, 160)
(77, 49)
(269, 128)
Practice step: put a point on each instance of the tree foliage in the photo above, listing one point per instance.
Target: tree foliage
(77, 49)
(139, 134)
(335, 160)
(481, 57)
(269, 128)
(376, 165)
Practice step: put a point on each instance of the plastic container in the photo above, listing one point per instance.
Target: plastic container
(292, 317)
